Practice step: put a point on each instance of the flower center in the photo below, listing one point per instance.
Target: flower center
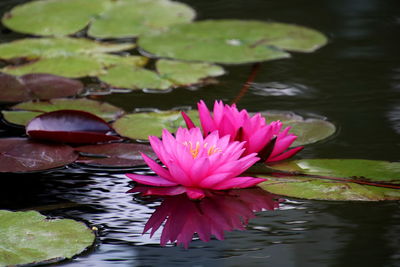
(194, 149)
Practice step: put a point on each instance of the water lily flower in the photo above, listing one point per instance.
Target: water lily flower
(180, 218)
(194, 163)
(270, 141)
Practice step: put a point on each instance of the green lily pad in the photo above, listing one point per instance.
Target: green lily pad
(335, 179)
(53, 17)
(62, 46)
(69, 57)
(29, 238)
(308, 130)
(107, 18)
(142, 125)
(128, 77)
(70, 66)
(22, 113)
(135, 17)
(186, 73)
(170, 74)
(231, 41)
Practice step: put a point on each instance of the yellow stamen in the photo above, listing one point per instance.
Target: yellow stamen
(195, 149)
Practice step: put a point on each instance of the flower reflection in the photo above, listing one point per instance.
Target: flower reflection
(218, 212)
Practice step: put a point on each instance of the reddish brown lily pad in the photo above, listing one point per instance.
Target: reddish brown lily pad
(114, 155)
(70, 126)
(47, 86)
(24, 155)
(12, 89)
(36, 86)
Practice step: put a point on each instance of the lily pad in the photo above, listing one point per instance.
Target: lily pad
(62, 46)
(308, 131)
(70, 126)
(24, 155)
(231, 41)
(69, 57)
(335, 179)
(135, 17)
(114, 155)
(142, 125)
(124, 76)
(22, 113)
(186, 73)
(170, 74)
(29, 238)
(12, 89)
(107, 18)
(36, 86)
(53, 17)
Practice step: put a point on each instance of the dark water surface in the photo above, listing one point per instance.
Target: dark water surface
(354, 81)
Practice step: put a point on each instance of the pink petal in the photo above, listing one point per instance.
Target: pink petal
(179, 175)
(195, 193)
(207, 122)
(218, 112)
(155, 167)
(150, 180)
(238, 182)
(158, 148)
(258, 139)
(188, 121)
(213, 179)
(285, 155)
(199, 169)
(282, 144)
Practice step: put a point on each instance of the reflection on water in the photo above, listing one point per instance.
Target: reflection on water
(354, 81)
(218, 212)
(281, 89)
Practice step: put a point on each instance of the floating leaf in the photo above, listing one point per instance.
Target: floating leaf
(141, 125)
(62, 46)
(124, 76)
(231, 41)
(308, 130)
(36, 86)
(22, 113)
(29, 238)
(70, 57)
(114, 155)
(74, 66)
(133, 18)
(186, 73)
(12, 89)
(46, 86)
(336, 179)
(53, 17)
(170, 74)
(107, 18)
(23, 155)
(70, 126)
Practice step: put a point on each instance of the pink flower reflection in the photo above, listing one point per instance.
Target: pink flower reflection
(220, 211)
(270, 141)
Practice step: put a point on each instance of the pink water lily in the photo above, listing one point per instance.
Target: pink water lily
(194, 163)
(270, 141)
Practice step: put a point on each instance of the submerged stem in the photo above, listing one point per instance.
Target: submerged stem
(254, 70)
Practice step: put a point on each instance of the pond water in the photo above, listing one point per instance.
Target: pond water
(354, 81)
